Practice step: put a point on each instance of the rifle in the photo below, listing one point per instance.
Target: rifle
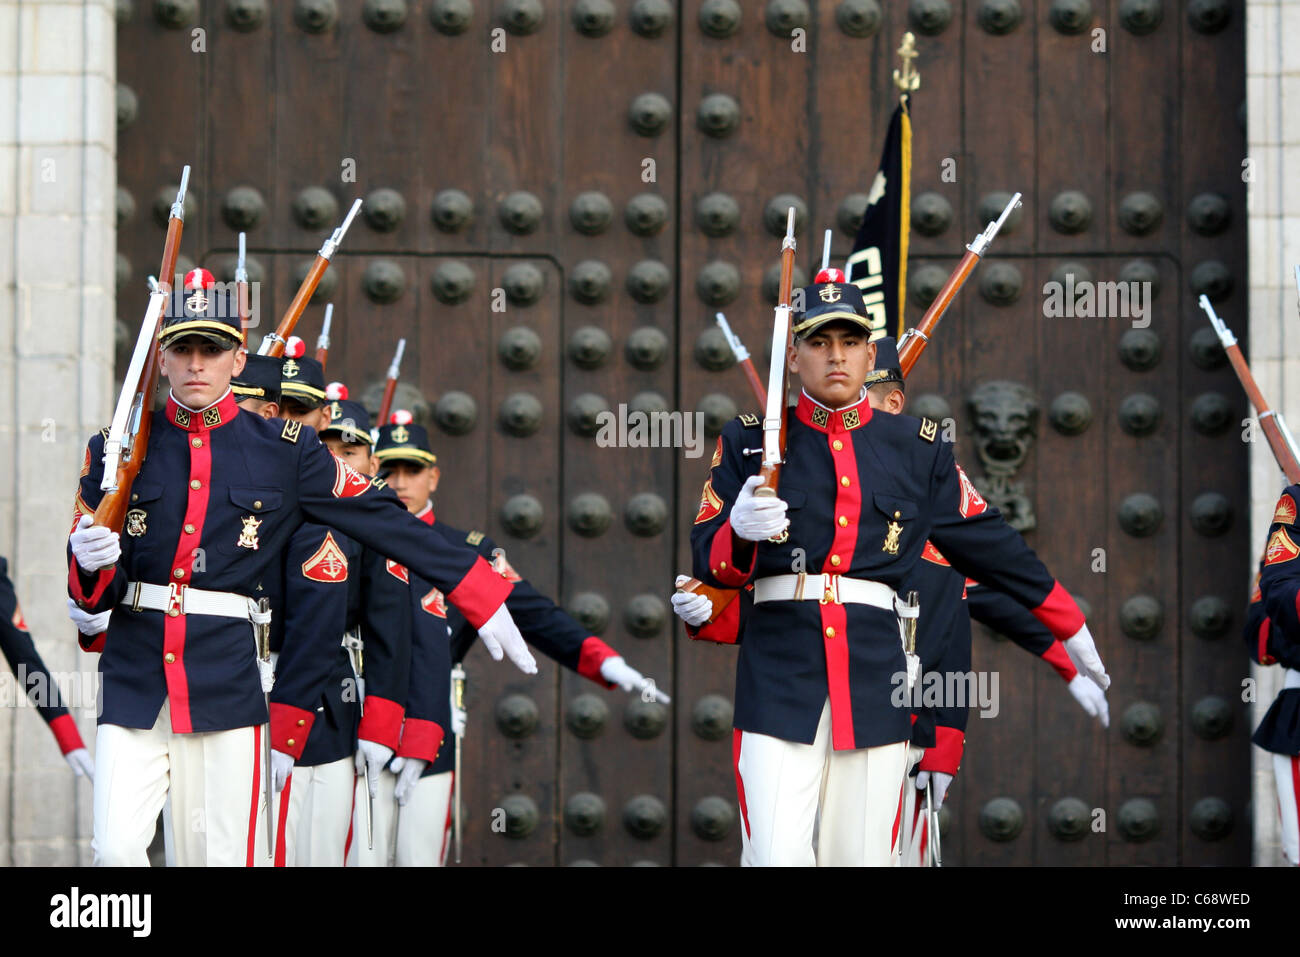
(262, 631)
(323, 341)
(390, 387)
(128, 436)
(915, 340)
(273, 343)
(241, 289)
(1279, 436)
(774, 422)
(743, 360)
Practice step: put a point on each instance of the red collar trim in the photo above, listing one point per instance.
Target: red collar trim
(811, 412)
(426, 514)
(214, 416)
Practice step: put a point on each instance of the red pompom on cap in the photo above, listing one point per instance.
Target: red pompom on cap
(294, 348)
(830, 275)
(199, 279)
(401, 417)
(336, 391)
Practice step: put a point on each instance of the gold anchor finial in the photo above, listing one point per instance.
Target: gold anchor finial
(908, 80)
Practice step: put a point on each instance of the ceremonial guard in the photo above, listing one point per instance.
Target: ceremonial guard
(1272, 636)
(35, 680)
(211, 511)
(425, 764)
(818, 737)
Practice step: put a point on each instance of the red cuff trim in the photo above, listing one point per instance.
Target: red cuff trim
(1265, 627)
(1060, 613)
(480, 593)
(594, 653)
(946, 754)
(725, 629)
(92, 643)
(290, 727)
(382, 722)
(66, 733)
(101, 578)
(1059, 658)
(420, 739)
(722, 565)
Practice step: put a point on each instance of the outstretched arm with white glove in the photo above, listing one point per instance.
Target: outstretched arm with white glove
(617, 671)
(1091, 698)
(500, 635)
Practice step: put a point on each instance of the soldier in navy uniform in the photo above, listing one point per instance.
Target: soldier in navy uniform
(819, 737)
(425, 764)
(35, 679)
(212, 510)
(1272, 636)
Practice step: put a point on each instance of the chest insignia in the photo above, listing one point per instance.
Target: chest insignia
(892, 531)
(248, 534)
(135, 526)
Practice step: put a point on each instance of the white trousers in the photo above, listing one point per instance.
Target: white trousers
(851, 797)
(423, 825)
(1286, 774)
(312, 827)
(208, 785)
(914, 828)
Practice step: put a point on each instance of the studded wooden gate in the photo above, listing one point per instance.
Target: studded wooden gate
(559, 196)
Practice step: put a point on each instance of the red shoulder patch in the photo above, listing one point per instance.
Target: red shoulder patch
(329, 564)
(85, 465)
(717, 454)
(348, 482)
(710, 504)
(972, 503)
(397, 571)
(502, 567)
(1280, 548)
(434, 604)
(1285, 511)
(932, 554)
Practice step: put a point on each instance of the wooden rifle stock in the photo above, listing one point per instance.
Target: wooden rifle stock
(111, 510)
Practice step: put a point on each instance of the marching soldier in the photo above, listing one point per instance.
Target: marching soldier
(212, 510)
(424, 766)
(1272, 636)
(35, 679)
(818, 737)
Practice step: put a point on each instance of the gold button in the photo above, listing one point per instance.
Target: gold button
(898, 515)
(195, 484)
(135, 497)
(844, 480)
(837, 445)
(301, 722)
(843, 522)
(830, 632)
(835, 560)
(189, 529)
(179, 573)
(724, 565)
(197, 443)
(173, 613)
(169, 658)
(290, 742)
(257, 504)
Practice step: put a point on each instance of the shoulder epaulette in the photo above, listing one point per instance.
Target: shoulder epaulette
(103, 434)
(929, 429)
(749, 420)
(474, 538)
(290, 431)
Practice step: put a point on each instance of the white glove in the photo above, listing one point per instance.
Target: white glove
(281, 768)
(459, 719)
(371, 758)
(1091, 698)
(617, 672)
(81, 763)
(757, 519)
(941, 782)
(501, 636)
(94, 546)
(689, 607)
(408, 774)
(1083, 652)
(88, 624)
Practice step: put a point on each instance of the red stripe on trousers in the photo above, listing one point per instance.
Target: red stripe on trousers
(280, 822)
(257, 787)
(740, 785)
(898, 817)
(1295, 785)
(347, 844)
(451, 797)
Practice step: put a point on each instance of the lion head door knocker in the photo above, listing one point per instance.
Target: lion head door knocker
(1005, 423)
